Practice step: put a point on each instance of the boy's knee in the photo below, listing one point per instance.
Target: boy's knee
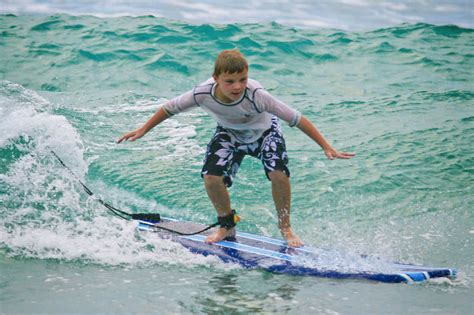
(212, 180)
(277, 176)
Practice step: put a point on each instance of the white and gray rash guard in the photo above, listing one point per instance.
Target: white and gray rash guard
(246, 119)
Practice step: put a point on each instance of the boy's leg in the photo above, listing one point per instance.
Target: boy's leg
(220, 164)
(272, 153)
(217, 192)
(281, 192)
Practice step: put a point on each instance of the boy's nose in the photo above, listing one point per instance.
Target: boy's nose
(238, 86)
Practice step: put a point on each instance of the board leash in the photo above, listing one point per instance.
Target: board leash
(153, 218)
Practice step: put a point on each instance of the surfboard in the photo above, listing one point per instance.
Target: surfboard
(271, 254)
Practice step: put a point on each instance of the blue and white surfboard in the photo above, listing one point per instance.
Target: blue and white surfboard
(256, 251)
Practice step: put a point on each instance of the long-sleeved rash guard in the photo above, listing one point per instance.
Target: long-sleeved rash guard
(246, 119)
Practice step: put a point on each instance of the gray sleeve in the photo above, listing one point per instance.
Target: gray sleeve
(264, 101)
(180, 103)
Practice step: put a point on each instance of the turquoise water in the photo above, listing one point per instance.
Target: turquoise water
(401, 97)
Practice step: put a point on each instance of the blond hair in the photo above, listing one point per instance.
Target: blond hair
(230, 61)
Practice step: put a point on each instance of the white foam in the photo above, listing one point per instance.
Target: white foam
(46, 214)
(101, 241)
(332, 260)
(27, 124)
(137, 106)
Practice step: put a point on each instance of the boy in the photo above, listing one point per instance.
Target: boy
(247, 124)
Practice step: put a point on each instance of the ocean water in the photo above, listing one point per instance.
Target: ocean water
(340, 14)
(401, 97)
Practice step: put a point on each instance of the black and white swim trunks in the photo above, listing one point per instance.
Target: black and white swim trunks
(224, 154)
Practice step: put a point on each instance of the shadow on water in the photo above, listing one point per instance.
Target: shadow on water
(232, 294)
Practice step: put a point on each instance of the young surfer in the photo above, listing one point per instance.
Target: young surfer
(247, 119)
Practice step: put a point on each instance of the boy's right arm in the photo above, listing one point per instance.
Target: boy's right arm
(156, 119)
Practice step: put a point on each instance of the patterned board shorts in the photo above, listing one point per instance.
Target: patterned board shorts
(224, 155)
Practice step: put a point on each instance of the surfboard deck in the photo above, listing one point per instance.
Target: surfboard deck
(256, 251)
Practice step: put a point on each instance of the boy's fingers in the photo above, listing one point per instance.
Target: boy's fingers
(134, 136)
(125, 137)
(345, 155)
(339, 155)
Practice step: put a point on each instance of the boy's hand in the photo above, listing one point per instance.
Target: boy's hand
(132, 136)
(332, 154)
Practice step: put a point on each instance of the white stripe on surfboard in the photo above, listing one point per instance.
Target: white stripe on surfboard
(264, 239)
(427, 276)
(406, 277)
(274, 241)
(243, 248)
(227, 244)
(254, 237)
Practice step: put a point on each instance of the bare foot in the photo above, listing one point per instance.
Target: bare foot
(220, 234)
(291, 238)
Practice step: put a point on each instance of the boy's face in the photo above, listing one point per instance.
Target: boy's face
(231, 86)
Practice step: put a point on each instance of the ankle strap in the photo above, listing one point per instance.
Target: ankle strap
(228, 221)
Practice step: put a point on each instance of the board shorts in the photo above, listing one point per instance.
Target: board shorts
(224, 154)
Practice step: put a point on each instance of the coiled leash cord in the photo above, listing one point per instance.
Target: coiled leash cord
(227, 222)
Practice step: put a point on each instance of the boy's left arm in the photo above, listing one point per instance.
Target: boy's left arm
(308, 128)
